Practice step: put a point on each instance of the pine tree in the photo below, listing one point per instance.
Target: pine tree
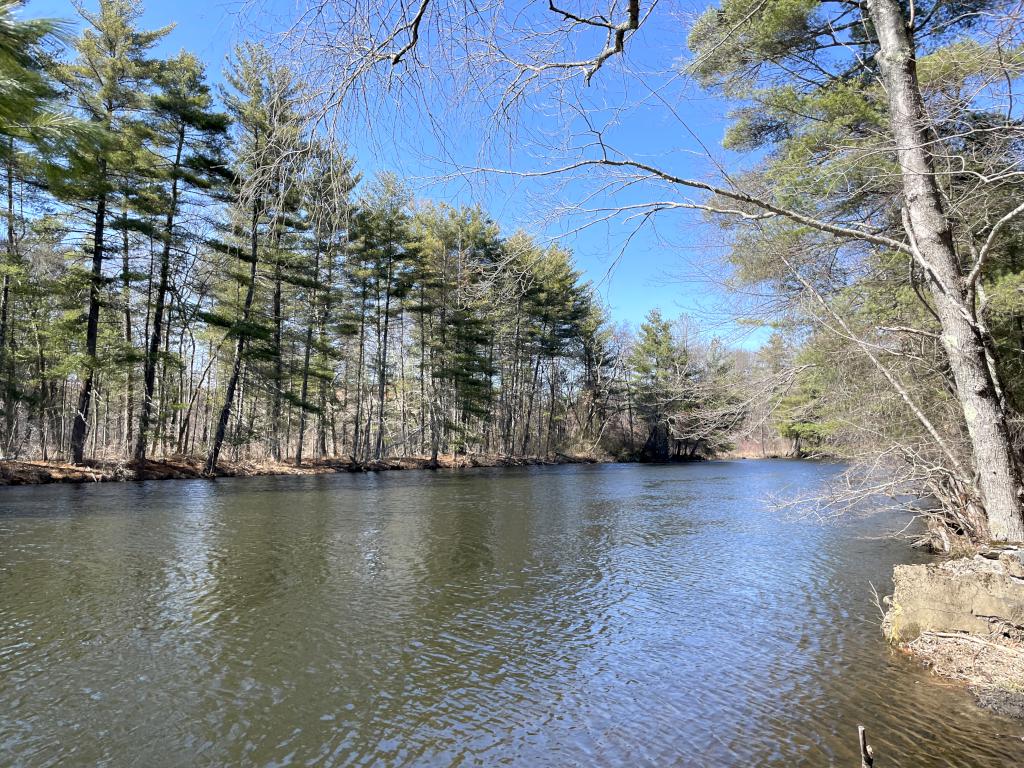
(661, 367)
(263, 105)
(109, 81)
(379, 254)
(456, 250)
(189, 134)
(870, 82)
(31, 116)
(29, 108)
(327, 189)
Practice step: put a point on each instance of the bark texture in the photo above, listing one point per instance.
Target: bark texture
(998, 473)
(81, 423)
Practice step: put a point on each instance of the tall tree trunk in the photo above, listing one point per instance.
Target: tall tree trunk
(998, 473)
(278, 383)
(553, 381)
(359, 372)
(62, 423)
(156, 330)
(302, 396)
(323, 319)
(399, 388)
(126, 297)
(304, 392)
(5, 296)
(321, 419)
(382, 373)
(423, 366)
(81, 423)
(529, 407)
(236, 364)
(5, 382)
(163, 396)
(45, 395)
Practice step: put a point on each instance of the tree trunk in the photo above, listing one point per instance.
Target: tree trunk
(382, 374)
(304, 392)
(359, 372)
(278, 383)
(999, 475)
(323, 320)
(5, 296)
(529, 407)
(81, 423)
(553, 382)
(44, 392)
(302, 397)
(152, 351)
(236, 365)
(126, 297)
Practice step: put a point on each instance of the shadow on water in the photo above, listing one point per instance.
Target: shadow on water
(551, 616)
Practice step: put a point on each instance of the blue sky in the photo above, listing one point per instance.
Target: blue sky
(674, 264)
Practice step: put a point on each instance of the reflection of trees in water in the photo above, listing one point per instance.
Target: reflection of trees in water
(506, 604)
(260, 619)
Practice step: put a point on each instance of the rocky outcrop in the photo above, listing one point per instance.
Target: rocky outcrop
(982, 595)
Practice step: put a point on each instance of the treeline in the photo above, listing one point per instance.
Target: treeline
(199, 272)
(874, 203)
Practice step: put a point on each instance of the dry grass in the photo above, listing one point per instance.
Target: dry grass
(993, 666)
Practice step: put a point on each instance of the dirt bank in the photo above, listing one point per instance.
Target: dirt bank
(964, 618)
(184, 467)
(992, 667)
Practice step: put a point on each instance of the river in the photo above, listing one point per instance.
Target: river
(609, 615)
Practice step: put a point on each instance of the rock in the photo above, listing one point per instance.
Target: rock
(974, 595)
(1013, 562)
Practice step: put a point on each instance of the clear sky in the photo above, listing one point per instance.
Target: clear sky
(673, 264)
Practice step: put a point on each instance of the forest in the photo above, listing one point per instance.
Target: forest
(199, 271)
(863, 164)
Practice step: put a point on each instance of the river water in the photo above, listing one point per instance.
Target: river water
(616, 615)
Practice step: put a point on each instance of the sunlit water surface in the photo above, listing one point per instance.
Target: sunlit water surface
(565, 616)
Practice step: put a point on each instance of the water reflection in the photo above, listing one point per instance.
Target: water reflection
(596, 616)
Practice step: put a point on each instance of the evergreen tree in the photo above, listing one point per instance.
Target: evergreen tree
(263, 104)
(660, 366)
(257, 286)
(31, 118)
(456, 251)
(189, 135)
(109, 82)
(327, 189)
(29, 107)
(866, 72)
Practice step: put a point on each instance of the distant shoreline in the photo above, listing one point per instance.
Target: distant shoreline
(18, 472)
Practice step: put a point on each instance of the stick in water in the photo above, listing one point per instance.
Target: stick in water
(867, 754)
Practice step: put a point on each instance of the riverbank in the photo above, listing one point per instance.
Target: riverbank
(992, 667)
(964, 619)
(755, 455)
(762, 447)
(14, 472)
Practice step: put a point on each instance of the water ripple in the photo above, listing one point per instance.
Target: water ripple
(597, 616)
